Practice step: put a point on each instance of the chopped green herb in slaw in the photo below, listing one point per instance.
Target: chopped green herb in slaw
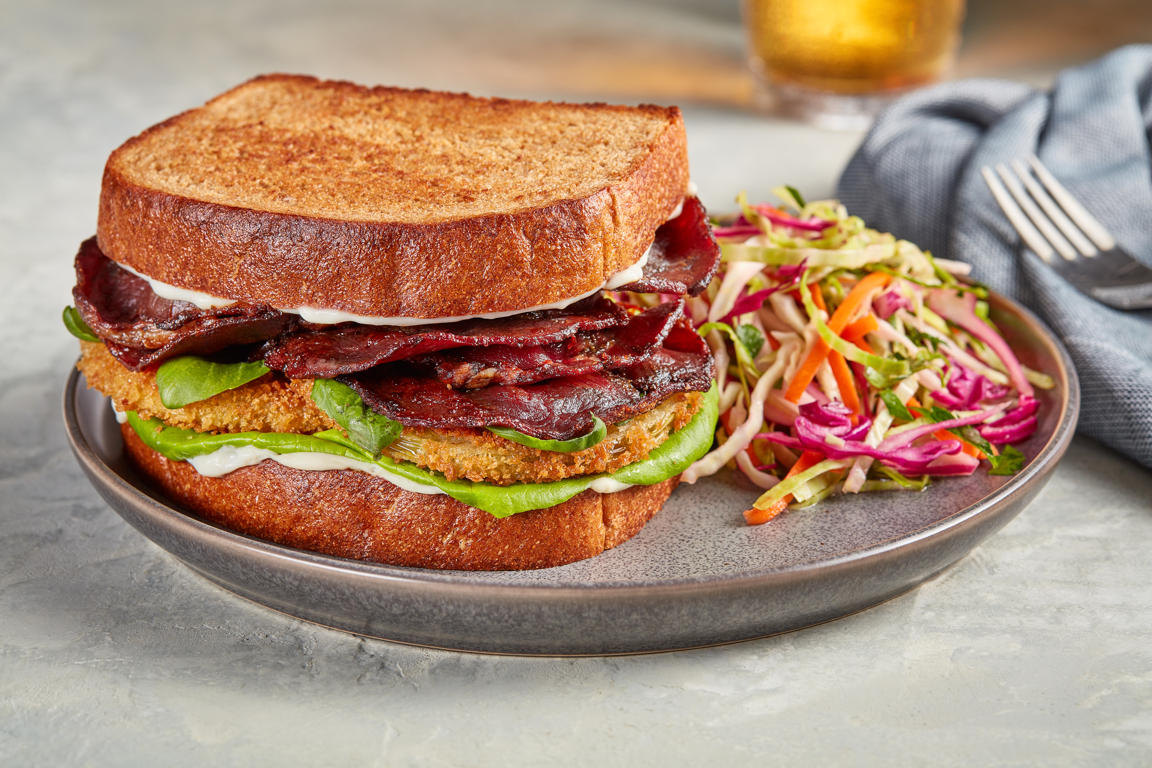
(851, 361)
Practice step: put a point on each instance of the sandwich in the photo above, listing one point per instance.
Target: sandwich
(403, 326)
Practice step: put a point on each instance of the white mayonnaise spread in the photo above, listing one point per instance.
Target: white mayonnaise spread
(172, 293)
(333, 316)
(608, 485)
(229, 458)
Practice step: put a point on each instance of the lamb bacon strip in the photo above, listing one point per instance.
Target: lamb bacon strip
(142, 329)
(556, 409)
(684, 255)
(327, 351)
(587, 351)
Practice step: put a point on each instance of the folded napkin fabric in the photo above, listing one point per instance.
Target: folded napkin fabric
(917, 175)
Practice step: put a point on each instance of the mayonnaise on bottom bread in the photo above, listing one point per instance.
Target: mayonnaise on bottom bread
(229, 458)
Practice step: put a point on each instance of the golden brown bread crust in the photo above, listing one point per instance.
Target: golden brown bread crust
(275, 404)
(446, 252)
(355, 515)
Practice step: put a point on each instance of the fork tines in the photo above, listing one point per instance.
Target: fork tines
(1056, 230)
(1052, 222)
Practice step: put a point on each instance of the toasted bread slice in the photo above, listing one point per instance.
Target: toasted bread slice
(384, 202)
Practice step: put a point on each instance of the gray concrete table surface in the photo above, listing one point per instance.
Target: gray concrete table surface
(1033, 650)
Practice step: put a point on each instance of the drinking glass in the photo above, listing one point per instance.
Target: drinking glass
(836, 63)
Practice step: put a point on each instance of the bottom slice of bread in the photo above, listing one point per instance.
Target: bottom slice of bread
(355, 515)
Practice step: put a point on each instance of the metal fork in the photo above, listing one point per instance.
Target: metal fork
(1104, 271)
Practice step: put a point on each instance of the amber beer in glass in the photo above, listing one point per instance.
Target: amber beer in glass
(837, 62)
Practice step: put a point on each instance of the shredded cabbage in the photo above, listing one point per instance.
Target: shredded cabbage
(839, 390)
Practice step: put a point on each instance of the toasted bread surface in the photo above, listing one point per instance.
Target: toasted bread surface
(292, 191)
(356, 515)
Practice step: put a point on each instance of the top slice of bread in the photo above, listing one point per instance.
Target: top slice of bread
(292, 191)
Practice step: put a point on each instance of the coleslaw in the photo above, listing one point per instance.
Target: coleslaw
(850, 361)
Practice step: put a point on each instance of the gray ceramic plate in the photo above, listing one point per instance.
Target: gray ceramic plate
(695, 576)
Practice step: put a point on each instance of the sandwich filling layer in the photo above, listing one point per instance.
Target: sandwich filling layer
(549, 376)
(273, 404)
(666, 460)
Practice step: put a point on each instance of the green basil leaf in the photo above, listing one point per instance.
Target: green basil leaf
(743, 354)
(1010, 462)
(895, 407)
(752, 338)
(970, 434)
(939, 414)
(184, 380)
(596, 436)
(929, 343)
(190, 379)
(366, 428)
(670, 458)
(797, 196)
(76, 325)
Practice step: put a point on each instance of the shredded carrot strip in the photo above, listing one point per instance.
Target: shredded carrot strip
(864, 325)
(819, 351)
(807, 460)
(854, 298)
(807, 371)
(844, 381)
(967, 447)
(772, 341)
(817, 296)
(836, 323)
(760, 516)
(860, 342)
(855, 332)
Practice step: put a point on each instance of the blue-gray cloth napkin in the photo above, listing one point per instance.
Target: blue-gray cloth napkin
(917, 175)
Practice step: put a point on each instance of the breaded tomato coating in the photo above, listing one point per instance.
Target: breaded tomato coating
(274, 403)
